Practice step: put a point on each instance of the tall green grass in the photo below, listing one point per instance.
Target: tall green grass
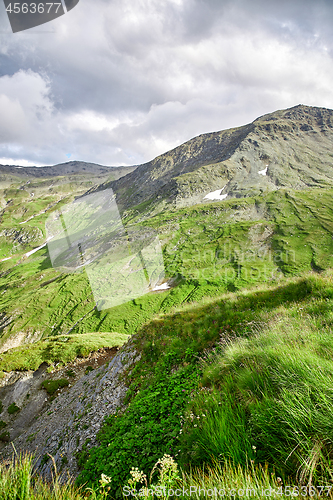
(274, 390)
(236, 482)
(218, 429)
(18, 481)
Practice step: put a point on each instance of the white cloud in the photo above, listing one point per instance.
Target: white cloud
(24, 106)
(121, 82)
(19, 162)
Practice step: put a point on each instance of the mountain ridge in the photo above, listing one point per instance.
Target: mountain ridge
(60, 169)
(288, 148)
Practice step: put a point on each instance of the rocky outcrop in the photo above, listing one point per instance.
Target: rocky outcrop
(22, 236)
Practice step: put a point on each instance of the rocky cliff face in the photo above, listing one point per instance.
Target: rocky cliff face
(66, 425)
(287, 149)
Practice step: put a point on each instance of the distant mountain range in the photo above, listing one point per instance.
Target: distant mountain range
(61, 169)
(291, 148)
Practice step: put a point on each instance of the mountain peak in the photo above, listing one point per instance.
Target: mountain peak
(299, 112)
(290, 148)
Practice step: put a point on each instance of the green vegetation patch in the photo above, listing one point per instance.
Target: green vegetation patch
(5, 437)
(148, 428)
(61, 349)
(51, 386)
(13, 408)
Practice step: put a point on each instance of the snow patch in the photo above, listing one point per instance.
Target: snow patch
(33, 251)
(164, 286)
(216, 195)
(263, 172)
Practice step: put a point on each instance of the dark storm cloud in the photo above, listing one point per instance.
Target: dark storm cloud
(119, 82)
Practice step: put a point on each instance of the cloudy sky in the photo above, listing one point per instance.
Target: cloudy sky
(118, 82)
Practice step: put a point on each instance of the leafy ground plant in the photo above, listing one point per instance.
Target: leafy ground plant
(149, 426)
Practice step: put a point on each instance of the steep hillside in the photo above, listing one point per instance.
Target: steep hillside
(238, 377)
(285, 149)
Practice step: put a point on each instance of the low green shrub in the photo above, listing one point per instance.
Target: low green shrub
(2, 424)
(13, 408)
(51, 386)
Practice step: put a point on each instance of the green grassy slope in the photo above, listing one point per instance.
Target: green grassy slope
(207, 248)
(58, 350)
